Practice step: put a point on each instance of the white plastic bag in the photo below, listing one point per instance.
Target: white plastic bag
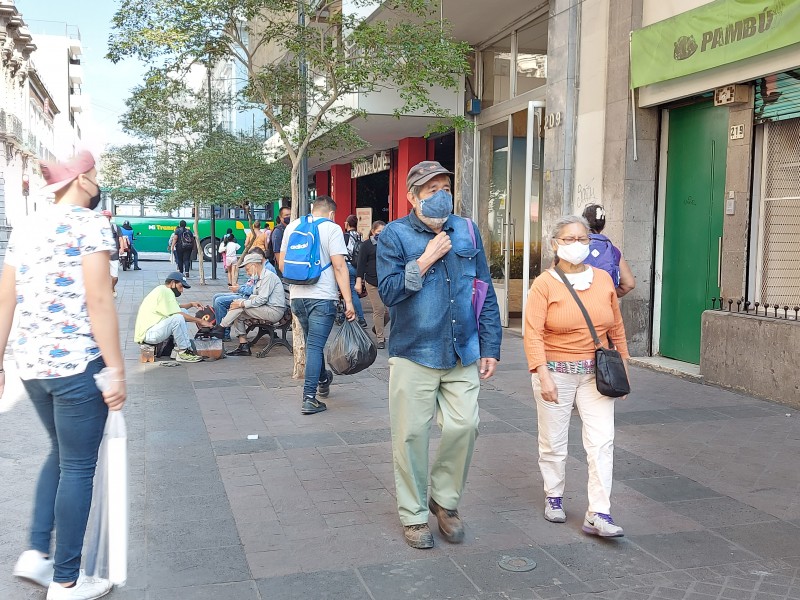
(14, 391)
(107, 546)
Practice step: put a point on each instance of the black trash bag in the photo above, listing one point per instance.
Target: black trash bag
(351, 350)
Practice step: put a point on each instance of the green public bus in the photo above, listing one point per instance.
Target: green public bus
(152, 228)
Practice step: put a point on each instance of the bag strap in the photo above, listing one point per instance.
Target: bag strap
(572, 291)
(472, 233)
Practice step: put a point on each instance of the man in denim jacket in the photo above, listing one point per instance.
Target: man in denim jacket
(427, 263)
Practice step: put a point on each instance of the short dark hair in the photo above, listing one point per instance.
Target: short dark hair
(283, 208)
(182, 223)
(352, 221)
(325, 203)
(258, 251)
(595, 214)
(376, 224)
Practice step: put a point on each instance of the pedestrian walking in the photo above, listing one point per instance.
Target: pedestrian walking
(605, 255)
(437, 356)
(229, 247)
(367, 274)
(127, 231)
(114, 258)
(184, 247)
(276, 238)
(57, 275)
(561, 353)
(312, 259)
(352, 241)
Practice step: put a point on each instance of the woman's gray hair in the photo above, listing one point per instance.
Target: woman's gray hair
(558, 226)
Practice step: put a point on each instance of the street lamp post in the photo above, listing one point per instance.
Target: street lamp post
(213, 211)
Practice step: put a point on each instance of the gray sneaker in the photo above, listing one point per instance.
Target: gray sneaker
(553, 511)
(311, 405)
(601, 524)
(324, 389)
(418, 536)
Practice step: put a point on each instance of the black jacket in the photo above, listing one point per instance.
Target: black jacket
(366, 268)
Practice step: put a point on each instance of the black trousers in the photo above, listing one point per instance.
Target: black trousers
(184, 261)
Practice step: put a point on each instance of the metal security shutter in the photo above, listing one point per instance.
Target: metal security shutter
(778, 97)
(779, 256)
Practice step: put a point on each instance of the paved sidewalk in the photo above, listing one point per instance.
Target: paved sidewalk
(706, 486)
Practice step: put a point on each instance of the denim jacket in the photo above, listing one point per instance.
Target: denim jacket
(433, 322)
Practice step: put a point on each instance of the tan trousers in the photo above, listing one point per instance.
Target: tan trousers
(597, 415)
(378, 311)
(415, 393)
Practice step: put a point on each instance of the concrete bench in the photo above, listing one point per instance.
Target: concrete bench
(263, 328)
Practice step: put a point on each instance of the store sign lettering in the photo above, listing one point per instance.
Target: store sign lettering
(379, 162)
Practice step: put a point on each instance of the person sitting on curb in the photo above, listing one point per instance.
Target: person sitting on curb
(160, 316)
(221, 302)
(266, 303)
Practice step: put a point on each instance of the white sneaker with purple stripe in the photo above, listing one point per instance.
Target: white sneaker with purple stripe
(601, 524)
(553, 511)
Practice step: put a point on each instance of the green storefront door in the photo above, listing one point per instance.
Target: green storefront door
(693, 213)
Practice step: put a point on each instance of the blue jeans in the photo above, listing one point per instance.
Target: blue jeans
(74, 414)
(135, 254)
(316, 317)
(356, 300)
(221, 303)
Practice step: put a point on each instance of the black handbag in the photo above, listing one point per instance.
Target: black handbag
(609, 368)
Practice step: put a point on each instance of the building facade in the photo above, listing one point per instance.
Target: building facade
(690, 143)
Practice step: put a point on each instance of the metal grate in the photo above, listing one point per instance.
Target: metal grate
(780, 251)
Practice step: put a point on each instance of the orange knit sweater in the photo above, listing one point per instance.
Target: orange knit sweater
(555, 328)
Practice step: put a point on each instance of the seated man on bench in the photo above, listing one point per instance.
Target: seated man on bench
(160, 316)
(222, 302)
(266, 303)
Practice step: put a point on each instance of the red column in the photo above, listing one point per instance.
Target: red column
(341, 191)
(410, 152)
(323, 181)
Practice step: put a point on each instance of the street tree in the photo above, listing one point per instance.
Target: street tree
(329, 54)
(136, 174)
(230, 170)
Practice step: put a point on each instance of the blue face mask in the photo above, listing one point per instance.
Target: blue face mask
(438, 206)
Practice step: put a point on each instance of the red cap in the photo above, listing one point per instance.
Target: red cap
(59, 174)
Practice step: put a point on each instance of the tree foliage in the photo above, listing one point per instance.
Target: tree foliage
(407, 50)
(230, 171)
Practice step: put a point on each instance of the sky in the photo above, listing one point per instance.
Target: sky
(107, 84)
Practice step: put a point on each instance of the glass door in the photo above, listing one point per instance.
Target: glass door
(509, 202)
(493, 219)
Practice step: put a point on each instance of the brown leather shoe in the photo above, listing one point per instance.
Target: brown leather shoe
(449, 522)
(418, 536)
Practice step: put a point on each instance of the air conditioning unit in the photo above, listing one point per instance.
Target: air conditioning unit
(730, 94)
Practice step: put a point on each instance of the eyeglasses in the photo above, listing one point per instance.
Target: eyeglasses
(571, 240)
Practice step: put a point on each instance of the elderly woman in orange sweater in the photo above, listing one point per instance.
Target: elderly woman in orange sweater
(560, 353)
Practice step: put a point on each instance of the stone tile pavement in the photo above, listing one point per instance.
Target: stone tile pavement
(706, 486)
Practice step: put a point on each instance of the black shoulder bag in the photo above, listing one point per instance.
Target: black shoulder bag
(610, 374)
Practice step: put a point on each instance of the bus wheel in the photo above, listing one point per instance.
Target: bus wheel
(209, 249)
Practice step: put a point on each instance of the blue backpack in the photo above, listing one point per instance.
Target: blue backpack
(301, 263)
(604, 255)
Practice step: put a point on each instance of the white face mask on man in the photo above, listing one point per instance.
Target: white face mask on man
(574, 253)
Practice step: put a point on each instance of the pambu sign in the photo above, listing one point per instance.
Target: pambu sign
(718, 33)
(378, 162)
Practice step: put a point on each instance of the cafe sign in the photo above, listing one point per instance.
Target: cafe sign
(379, 162)
(718, 33)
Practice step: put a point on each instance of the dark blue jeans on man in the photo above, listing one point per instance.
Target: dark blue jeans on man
(74, 414)
(316, 318)
(221, 303)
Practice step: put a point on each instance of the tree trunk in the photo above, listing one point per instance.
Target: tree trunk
(200, 266)
(298, 341)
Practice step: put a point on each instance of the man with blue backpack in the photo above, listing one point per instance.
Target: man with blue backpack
(312, 260)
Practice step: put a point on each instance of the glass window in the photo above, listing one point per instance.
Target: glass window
(531, 57)
(496, 73)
